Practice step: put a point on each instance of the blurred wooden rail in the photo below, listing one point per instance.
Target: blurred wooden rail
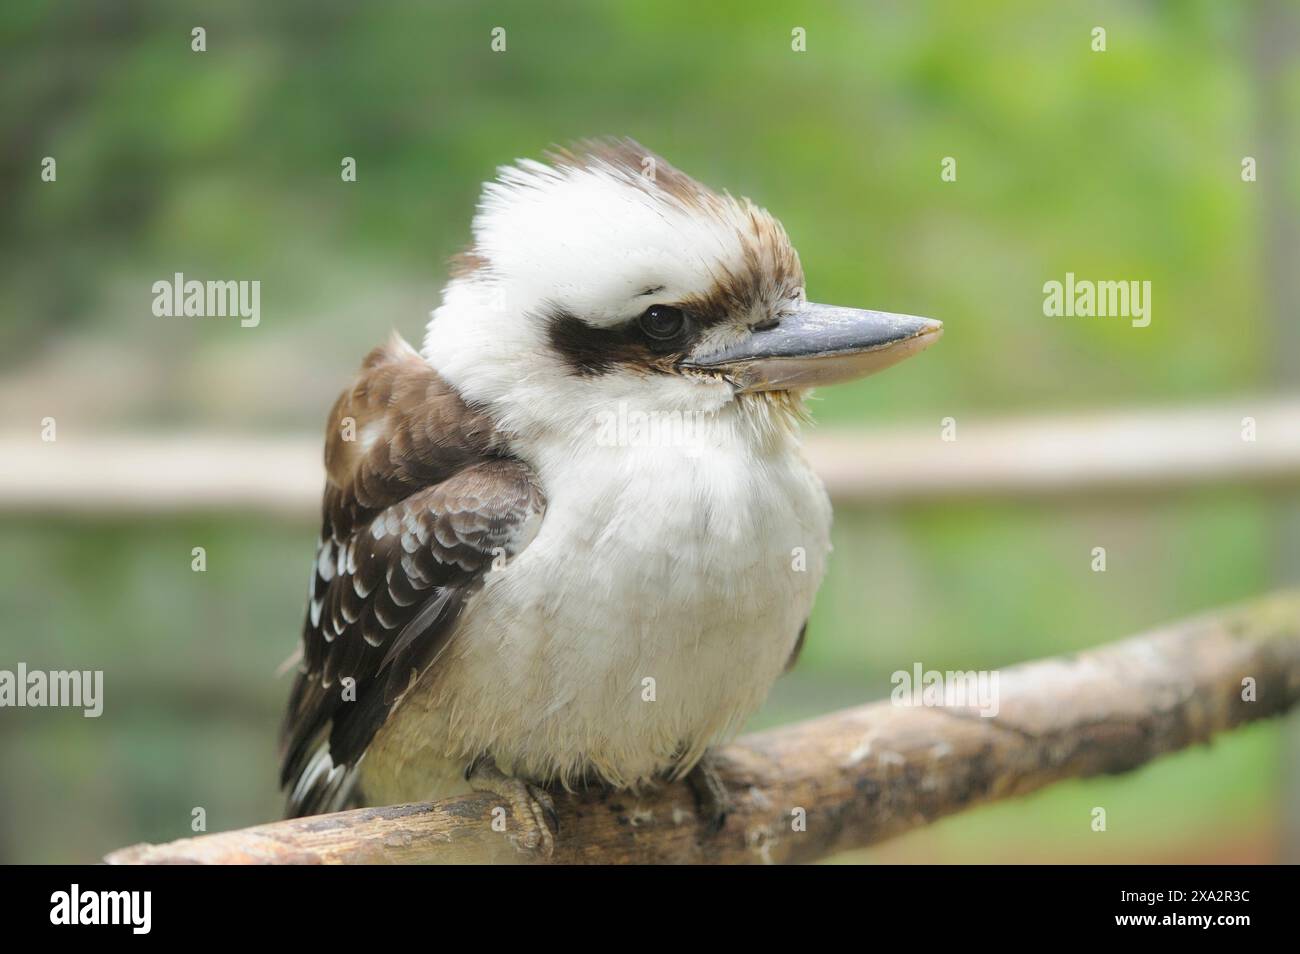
(856, 776)
(1134, 451)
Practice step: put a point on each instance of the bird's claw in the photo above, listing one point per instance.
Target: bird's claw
(711, 799)
(531, 807)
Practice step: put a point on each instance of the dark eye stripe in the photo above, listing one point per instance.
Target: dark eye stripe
(589, 351)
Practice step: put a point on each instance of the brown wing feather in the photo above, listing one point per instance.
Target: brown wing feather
(419, 500)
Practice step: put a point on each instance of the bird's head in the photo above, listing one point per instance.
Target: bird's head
(607, 276)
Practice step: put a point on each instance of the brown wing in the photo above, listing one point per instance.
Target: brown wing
(419, 501)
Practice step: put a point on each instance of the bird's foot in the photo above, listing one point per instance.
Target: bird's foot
(711, 799)
(531, 807)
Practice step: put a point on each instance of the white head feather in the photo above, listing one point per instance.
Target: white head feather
(600, 233)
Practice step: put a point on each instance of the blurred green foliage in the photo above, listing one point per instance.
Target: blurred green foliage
(1123, 165)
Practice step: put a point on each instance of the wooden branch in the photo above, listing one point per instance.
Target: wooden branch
(1154, 450)
(860, 775)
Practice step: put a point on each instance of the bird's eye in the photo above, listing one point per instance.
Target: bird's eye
(662, 322)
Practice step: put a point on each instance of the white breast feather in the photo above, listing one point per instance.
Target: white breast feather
(650, 563)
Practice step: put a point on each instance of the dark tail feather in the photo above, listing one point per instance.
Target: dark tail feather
(322, 786)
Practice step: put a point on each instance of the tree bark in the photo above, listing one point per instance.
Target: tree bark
(853, 778)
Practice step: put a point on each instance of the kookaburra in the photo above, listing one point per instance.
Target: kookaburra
(573, 540)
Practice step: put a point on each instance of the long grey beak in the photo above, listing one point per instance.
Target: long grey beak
(820, 344)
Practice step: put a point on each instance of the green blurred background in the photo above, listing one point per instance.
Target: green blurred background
(1123, 164)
